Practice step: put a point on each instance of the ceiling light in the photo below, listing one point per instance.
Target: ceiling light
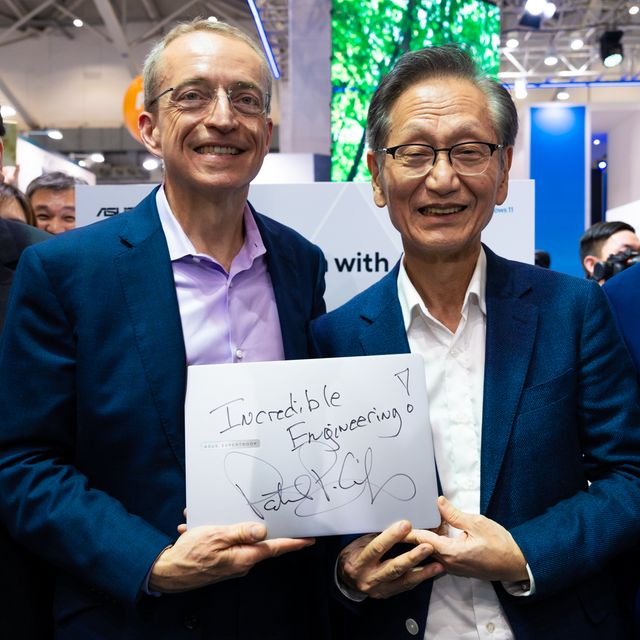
(78, 23)
(520, 88)
(611, 48)
(602, 164)
(577, 43)
(551, 59)
(150, 164)
(96, 157)
(562, 95)
(633, 9)
(596, 141)
(55, 134)
(82, 163)
(535, 7)
(549, 10)
(7, 111)
(512, 43)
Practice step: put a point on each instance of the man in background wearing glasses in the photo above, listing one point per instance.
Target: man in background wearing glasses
(103, 324)
(533, 402)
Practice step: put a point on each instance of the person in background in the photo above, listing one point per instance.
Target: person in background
(15, 206)
(101, 328)
(542, 259)
(533, 401)
(606, 248)
(53, 200)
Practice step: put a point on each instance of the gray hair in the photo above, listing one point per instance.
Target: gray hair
(54, 180)
(150, 71)
(445, 61)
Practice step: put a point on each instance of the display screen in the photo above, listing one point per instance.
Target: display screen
(369, 35)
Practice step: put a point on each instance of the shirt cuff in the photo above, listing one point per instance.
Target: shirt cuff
(145, 585)
(521, 588)
(351, 594)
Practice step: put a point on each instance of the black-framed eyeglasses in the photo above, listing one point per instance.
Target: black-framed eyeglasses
(244, 97)
(466, 158)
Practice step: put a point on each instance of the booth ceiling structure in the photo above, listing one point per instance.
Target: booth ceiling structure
(127, 27)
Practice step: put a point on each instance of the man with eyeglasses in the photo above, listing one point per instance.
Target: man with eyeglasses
(533, 402)
(103, 323)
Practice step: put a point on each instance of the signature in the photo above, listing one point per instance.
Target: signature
(331, 480)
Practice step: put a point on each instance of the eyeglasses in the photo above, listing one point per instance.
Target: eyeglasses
(244, 98)
(466, 158)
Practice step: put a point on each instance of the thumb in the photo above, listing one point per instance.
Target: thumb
(451, 515)
(249, 533)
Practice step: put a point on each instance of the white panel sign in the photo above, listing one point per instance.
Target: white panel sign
(310, 447)
(358, 239)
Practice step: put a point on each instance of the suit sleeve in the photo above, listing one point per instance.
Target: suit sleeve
(46, 502)
(582, 533)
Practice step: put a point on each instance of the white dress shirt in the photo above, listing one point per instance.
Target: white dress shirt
(461, 608)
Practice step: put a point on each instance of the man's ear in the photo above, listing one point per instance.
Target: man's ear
(589, 263)
(503, 185)
(376, 179)
(149, 133)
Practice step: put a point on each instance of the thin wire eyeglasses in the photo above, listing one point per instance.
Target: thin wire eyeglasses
(466, 158)
(244, 98)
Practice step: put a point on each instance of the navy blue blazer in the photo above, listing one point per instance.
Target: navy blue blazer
(623, 292)
(560, 410)
(92, 460)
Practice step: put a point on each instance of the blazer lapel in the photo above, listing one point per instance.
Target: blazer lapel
(383, 332)
(511, 330)
(286, 287)
(146, 276)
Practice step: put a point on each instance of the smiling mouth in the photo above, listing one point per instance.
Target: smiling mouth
(440, 211)
(218, 150)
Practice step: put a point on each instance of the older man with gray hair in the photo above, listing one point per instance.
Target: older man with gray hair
(533, 401)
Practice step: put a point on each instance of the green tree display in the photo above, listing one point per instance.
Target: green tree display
(369, 35)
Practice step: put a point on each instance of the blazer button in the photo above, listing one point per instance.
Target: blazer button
(191, 621)
(412, 626)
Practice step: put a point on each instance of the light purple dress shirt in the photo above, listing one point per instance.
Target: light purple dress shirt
(226, 317)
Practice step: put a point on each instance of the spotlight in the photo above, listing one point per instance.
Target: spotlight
(562, 95)
(512, 43)
(611, 48)
(150, 164)
(577, 44)
(535, 7)
(602, 165)
(634, 9)
(520, 87)
(551, 59)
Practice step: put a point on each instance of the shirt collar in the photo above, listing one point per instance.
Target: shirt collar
(411, 303)
(180, 246)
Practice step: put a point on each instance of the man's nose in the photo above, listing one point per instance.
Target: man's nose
(56, 226)
(442, 174)
(221, 113)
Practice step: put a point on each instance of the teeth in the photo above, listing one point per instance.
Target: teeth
(440, 211)
(219, 150)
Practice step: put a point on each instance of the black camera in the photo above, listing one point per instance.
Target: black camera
(614, 264)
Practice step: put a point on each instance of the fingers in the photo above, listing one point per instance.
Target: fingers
(453, 516)
(380, 544)
(279, 546)
(362, 567)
